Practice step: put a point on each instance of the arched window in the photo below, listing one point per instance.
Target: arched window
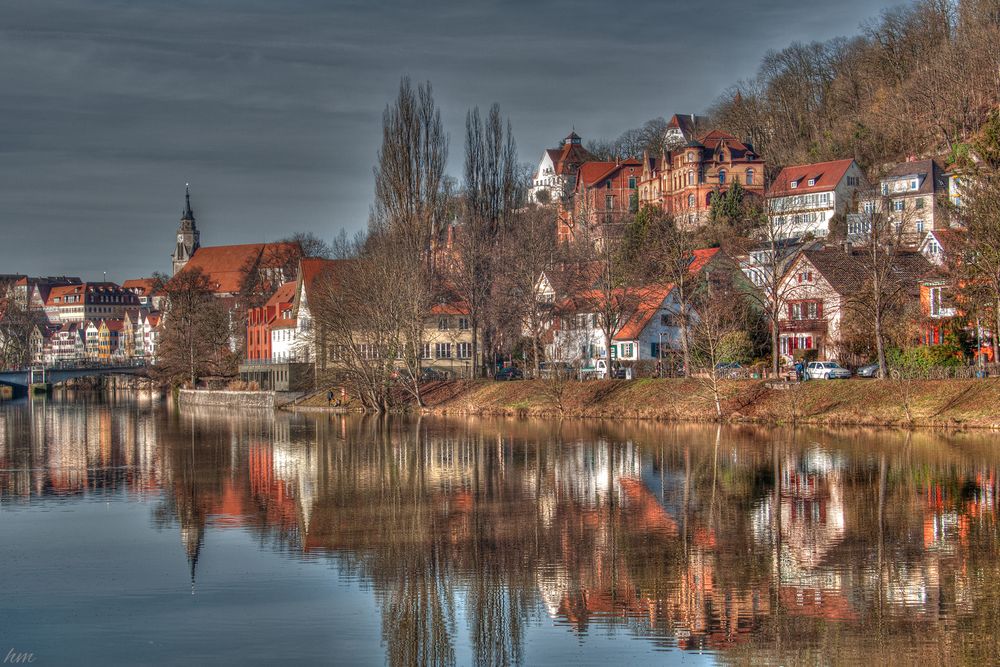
(690, 157)
(722, 177)
(690, 178)
(749, 176)
(691, 201)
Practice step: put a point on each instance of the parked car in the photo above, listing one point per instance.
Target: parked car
(509, 373)
(598, 371)
(431, 375)
(731, 370)
(868, 371)
(826, 370)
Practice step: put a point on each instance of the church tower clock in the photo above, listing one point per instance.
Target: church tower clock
(188, 238)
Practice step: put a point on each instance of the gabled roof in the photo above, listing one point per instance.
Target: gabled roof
(595, 172)
(141, 286)
(846, 271)
(226, 266)
(927, 171)
(284, 294)
(826, 174)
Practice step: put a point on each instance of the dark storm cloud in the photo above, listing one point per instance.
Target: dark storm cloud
(272, 109)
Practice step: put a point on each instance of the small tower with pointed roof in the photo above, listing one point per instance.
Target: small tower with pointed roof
(188, 237)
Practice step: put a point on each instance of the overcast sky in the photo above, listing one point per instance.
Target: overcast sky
(271, 110)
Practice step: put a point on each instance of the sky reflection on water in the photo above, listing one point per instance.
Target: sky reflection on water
(137, 533)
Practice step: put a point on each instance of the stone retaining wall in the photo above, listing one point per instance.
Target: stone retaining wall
(231, 399)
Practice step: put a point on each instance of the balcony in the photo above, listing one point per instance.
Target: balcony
(803, 326)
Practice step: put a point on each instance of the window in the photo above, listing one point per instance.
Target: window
(627, 350)
(463, 323)
(607, 185)
(935, 299)
(920, 226)
(899, 205)
(749, 176)
(722, 177)
(812, 182)
(919, 203)
(609, 202)
(933, 248)
(913, 184)
(465, 350)
(852, 181)
(812, 310)
(690, 178)
(690, 157)
(631, 182)
(869, 207)
(794, 184)
(442, 324)
(425, 350)
(442, 350)
(691, 201)
(654, 350)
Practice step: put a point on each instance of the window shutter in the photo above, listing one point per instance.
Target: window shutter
(819, 310)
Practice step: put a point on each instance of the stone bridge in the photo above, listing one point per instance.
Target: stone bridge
(23, 378)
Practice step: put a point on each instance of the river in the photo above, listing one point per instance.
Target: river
(134, 533)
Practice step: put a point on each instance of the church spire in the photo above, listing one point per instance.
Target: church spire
(188, 237)
(188, 213)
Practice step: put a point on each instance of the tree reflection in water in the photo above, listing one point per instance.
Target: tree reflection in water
(762, 544)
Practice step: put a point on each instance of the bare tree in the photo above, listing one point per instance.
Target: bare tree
(718, 338)
(884, 270)
(16, 324)
(195, 332)
(769, 256)
(492, 194)
(519, 308)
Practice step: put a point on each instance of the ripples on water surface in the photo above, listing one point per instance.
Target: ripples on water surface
(136, 534)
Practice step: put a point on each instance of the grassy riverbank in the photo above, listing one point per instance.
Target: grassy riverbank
(950, 403)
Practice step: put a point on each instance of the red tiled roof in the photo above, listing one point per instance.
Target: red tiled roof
(450, 308)
(827, 175)
(284, 294)
(702, 256)
(593, 172)
(311, 269)
(712, 140)
(226, 266)
(141, 286)
(81, 289)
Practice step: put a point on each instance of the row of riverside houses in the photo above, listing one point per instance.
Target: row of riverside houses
(819, 214)
(90, 322)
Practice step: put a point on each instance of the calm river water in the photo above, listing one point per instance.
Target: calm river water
(136, 534)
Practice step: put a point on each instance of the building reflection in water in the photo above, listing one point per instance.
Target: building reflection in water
(769, 544)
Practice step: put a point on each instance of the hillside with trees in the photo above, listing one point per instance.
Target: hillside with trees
(918, 80)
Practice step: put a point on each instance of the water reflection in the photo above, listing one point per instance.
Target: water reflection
(765, 545)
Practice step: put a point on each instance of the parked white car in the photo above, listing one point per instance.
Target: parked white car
(826, 370)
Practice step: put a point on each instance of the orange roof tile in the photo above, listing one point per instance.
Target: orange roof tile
(826, 174)
(284, 294)
(226, 266)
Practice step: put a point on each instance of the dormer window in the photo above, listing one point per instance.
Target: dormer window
(794, 184)
(690, 157)
(812, 182)
(913, 184)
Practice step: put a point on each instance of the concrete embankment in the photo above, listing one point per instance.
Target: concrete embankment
(262, 400)
(937, 403)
